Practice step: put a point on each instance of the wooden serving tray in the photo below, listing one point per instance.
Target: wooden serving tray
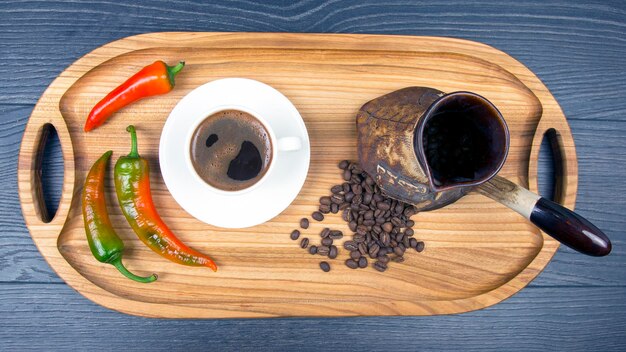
(477, 251)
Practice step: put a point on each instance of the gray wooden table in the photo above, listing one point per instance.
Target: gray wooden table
(578, 49)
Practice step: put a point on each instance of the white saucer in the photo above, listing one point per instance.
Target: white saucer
(270, 196)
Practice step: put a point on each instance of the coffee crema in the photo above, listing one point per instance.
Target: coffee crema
(231, 150)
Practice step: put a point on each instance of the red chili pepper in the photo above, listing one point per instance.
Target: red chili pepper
(154, 79)
(132, 184)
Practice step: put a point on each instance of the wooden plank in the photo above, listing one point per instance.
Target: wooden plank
(54, 317)
(569, 45)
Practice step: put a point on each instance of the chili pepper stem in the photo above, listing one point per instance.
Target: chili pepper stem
(175, 69)
(143, 279)
(134, 153)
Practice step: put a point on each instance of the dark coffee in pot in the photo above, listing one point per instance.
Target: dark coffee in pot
(458, 140)
(231, 150)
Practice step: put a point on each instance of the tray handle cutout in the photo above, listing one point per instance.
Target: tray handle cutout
(32, 151)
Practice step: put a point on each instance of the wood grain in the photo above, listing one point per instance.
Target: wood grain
(327, 77)
(532, 321)
(576, 48)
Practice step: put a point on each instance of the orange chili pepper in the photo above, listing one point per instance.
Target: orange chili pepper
(106, 246)
(132, 185)
(154, 79)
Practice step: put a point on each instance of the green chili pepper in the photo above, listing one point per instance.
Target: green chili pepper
(106, 246)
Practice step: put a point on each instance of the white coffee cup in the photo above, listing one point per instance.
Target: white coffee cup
(283, 144)
(274, 191)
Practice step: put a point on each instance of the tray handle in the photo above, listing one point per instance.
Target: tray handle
(34, 140)
(554, 219)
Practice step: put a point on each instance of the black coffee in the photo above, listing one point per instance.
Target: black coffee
(459, 142)
(231, 150)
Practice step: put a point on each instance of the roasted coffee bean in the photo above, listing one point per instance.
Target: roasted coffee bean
(409, 211)
(398, 251)
(377, 197)
(354, 206)
(399, 209)
(369, 180)
(409, 232)
(399, 237)
(410, 223)
(401, 245)
(327, 241)
(346, 187)
(377, 229)
(358, 199)
(387, 227)
(324, 209)
(383, 206)
(356, 189)
(368, 215)
(295, 234)
(336, 198)
(355, 254)
(362, 262)
(380, 220)
(362, 248)
(343, 206)
(367, 198)
(393, 243)
(343, 164)
(345, 215)
(406, 242)
(360, 219)
(325, 232)
(317, 216)
(350, 245)
(369, 222)
(323, 250)
(384, 259)
(396, 221)
(304, 223)
(368, 237)
(335, 234)
(361, 229)
(334, 208)
(384, 238)
(332, 252)
(325, 267)
(325, 200)
(351, 166)
(313, 249)
(304, 243)
(336, 189)
(368, 189)
(348, 197)
(380, 266)
(347, 175)
(413, 242)
(373, 250)
(350, 263)
(395, 230)
(419, 246)
(352, 225)
(382, 251)
(358, 238)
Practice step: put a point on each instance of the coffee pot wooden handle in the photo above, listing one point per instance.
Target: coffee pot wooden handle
(554, 219)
